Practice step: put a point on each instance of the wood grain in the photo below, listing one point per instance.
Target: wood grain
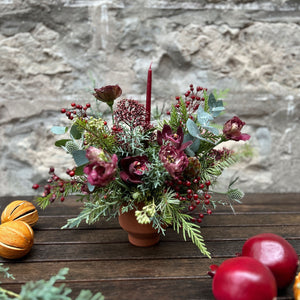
(100, 258)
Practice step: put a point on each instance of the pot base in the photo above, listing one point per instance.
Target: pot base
(140, 235)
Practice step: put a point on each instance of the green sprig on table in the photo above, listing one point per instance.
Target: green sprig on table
(42, 290)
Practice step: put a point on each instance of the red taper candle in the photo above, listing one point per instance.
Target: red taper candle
(148, 95)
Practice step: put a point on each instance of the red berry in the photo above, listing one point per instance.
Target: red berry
(55, 177)
(47, 187)
(209, 212)
(188, 183)
(197, 201)
(201, 186)
(207, 196)
(191, 207)
(72, 173)
(35, 186)
(62, 198)
(88, 105)
(63, 110)
(196, 196)
(73, 104)
(199, 220)
(201, 215)
(207, 183)
(206, 202)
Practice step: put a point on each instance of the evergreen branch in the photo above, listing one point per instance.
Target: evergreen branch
(170, 212)
(219, 167)
(191, 229)
(90, 213)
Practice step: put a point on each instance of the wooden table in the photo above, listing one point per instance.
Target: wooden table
(101, 259)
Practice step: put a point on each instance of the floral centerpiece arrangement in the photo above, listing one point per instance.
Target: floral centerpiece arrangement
(162, 170)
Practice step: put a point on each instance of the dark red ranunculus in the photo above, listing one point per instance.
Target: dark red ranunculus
(175, 161)
(133, 168)
(232, 130)
(108, 94)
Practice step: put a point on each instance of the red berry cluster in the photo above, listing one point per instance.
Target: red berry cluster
(76, 109)
(193, 98)
(192, 193)
(55, 188)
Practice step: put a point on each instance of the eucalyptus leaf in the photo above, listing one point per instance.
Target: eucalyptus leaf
(195, 146)
(79, 170)
(203, 117)
(90, 187)
(79, 157)
(61, 143)
(59, 129)
(214, 130)
(194, 131)
(76, 131)
(215, 106)
(192, 128)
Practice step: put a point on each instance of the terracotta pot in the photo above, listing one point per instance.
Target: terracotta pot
(141, 235)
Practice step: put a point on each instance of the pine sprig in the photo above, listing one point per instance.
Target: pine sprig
(178, 115)
(90, 213)
(192, 230)
(170, 210)
(219, 167)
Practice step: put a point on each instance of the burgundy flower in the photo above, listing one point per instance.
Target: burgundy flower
(232, 130)
(108, 94)
(133, 168)
(102, 169)
(175, 139)
(167, 134)
(175, 161)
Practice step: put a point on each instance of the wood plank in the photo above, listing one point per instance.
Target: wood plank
(56, 222)
(190, 288)
(259, 202)
(118, 235)
(125, 251)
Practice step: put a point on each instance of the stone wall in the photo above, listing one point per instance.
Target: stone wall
(51, 51)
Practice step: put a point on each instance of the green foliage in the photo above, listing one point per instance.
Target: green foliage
(59, 129)
(170, 213)
(76, 131)
(90, 213)
(218, 167)
(5, 272)
(180, 222)
(97, 134)
(46, 290)
(178, 116)
(79, 157)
